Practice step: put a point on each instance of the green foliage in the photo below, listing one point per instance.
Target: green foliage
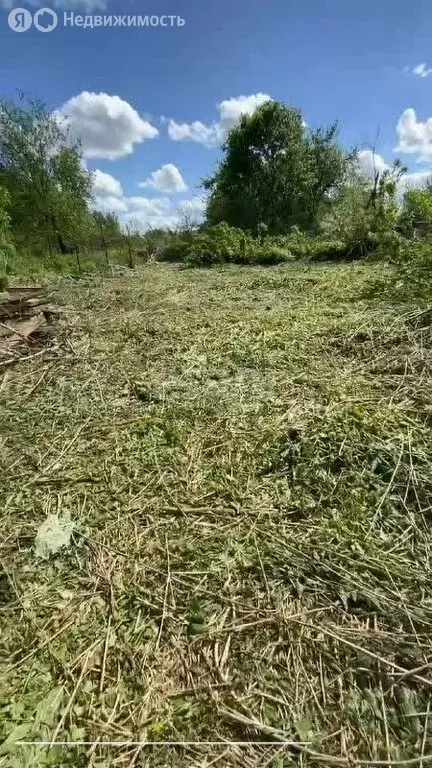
(6, 246)
(365, 215)
(416, 216)
(269, 253)
(301, 245)
(156, 240)
(412, 278)
(174, 249)
(106, 223)
(202, 252)
(224, 244)
(42, 170)
(329, 250)
(349, 219)
(275, 173)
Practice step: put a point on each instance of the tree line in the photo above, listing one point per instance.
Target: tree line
(46, 189)
(276, 178)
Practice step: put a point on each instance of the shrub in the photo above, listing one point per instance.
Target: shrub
(223, 244)
(7, 249)
(271, 254)
(220, 244)
(409, 278)
(330, 250)
(231, 244)
(299, 243)
(175, 249)
(365, 217)
(413, 274)
(202, 252)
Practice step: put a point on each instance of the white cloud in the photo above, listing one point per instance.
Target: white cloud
(149, 212)
(110, 204)
(370, 163)
(414, 180)
(148, 206)
(139, 211)
(107, 126)
(194, 207)
(209, 135)
(144, 212)
(414, 136)
(421, 70)
(105, 185)
(166, 179)
(230, 112)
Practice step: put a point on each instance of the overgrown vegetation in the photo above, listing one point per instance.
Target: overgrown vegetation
(282, 191)
(275, 172)
(285, 192)
(6, 246)
(47, 190)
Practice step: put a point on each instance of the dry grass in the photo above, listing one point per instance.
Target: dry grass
(246, 455)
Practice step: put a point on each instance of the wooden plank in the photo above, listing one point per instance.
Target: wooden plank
(23, 330)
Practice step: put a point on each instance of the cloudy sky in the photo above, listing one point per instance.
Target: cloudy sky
(152, 105)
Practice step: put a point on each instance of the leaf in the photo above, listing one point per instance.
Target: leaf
(18, 733)
(48, 707)
(77, 734)
(304, 729)
(54, 534)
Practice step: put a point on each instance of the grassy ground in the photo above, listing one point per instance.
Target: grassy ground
(246, 456)
(24, 266)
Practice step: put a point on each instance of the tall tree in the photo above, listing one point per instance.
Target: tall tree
(416, 216)
(42, 170)
(274, 171)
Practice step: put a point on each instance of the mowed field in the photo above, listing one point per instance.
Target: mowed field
(246, 457)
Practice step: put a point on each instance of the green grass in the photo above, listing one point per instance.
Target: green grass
(25, 266)
(246, 455)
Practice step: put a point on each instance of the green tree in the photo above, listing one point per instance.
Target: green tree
(416, 217)
(42, 170)
(6, 246)
(275, 172)
(109, 224)
(364, 214)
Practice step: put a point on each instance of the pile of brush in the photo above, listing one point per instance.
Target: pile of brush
(25, 317)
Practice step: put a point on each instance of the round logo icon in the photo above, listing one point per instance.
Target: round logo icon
(20, 20)
(45, 20)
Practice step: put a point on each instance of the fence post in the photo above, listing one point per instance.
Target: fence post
(104, 243)
(131, 256)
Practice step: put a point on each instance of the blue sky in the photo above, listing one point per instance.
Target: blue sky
(366, 64)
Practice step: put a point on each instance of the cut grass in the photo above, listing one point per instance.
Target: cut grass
(246, 456)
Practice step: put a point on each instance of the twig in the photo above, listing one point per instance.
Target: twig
(102, 677)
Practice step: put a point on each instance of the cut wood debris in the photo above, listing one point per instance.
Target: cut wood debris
(25, 316)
